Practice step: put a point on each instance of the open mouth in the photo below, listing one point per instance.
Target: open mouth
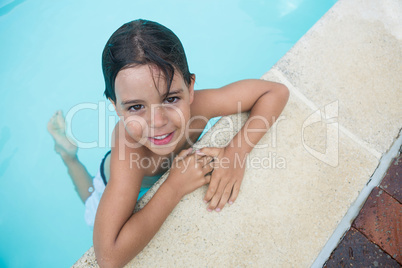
(161, 140)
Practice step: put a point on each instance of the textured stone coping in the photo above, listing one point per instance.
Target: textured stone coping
(343, 114)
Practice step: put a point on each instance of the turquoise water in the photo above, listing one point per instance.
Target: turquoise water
(50, 55)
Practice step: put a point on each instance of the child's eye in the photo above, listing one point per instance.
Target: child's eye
(136, 107)
(172, 99)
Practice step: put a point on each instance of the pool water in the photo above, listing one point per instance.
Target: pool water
(50, 55)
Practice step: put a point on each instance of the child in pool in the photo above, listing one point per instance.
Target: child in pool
(148, 82)
(89, 189)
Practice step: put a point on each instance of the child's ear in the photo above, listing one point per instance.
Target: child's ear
(114, 105)
(191, 88)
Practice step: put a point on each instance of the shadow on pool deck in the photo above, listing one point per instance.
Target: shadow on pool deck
(343, 115)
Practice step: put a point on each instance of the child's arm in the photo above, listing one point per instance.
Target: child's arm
(265, 100)
(119, 235)
(82, 180)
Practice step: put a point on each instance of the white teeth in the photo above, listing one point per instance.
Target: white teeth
(161, 137)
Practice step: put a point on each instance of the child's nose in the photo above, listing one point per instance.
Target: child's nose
(158, 117)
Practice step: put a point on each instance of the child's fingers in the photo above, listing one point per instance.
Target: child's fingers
(208, 177)
(211, 151)
(225, 197)
(185, 152)
(199, 159)
(214, 201)
(208, 169)
(207, 161)
(213, 186)
(218, 193)
(235, 192)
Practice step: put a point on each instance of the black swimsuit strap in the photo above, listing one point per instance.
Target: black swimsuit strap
(102, 168)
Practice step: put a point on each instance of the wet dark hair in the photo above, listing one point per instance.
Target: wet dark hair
(141, 42)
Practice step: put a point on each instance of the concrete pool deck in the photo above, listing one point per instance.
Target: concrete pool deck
(336, 135)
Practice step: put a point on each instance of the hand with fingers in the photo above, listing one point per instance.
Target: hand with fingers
(190, 171)
(226, 178)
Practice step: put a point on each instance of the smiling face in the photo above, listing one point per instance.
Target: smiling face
(151, 118)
